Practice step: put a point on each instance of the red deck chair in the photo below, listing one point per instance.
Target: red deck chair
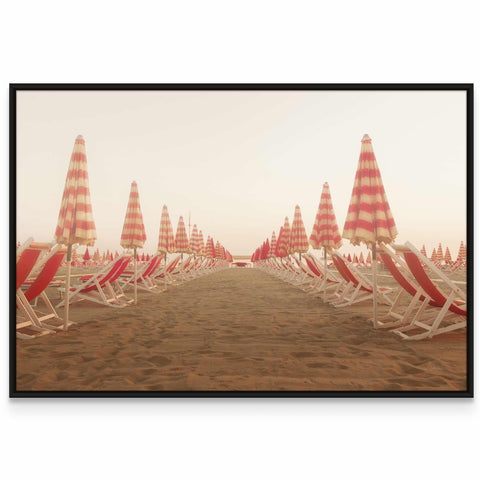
(145, 276)
(99, 287)
(358, 288)
(450, 306)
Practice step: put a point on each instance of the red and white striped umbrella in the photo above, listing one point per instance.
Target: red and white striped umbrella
(201, 243)
(448, 256)
(361, 259)
(284, 242)
(325, 231)
(181, 238)
(166, 241)
(218, 250)
(273, 245)
(369, 218)
(133, 233)
(86, 255)
(209, 248)
(439, 253)
(462, 253)
(279, 242)
(423, 250)
(75, 219)
(194, 243)
(433, 258)
(298, 235)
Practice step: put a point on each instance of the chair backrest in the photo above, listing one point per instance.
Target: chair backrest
(106, 274)
(27, 260)
(152, 266)
(313, 268)
(50, 268)
(343, 269)
(172, 265)
(421, 276)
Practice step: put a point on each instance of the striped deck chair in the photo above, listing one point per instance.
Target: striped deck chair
(165, 275)
(35, 289)
(103, 287)
(357, 287)
(145, 276)
(450, 306)
(321, 276)
(27, 257)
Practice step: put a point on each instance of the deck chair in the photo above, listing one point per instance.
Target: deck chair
(145, 276)
(320, 277)
(36, 319)
(357, 287)
(165, 274)
(450, 306)
(103, 287)
(27, 257)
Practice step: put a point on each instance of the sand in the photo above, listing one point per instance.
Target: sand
(237, 329)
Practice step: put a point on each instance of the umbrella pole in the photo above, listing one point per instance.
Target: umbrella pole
(374, 268)
(135, 268)
(165, 272)
(324, 274)
(67, 288)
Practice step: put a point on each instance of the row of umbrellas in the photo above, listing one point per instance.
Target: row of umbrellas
(369, 218)
(76, 225)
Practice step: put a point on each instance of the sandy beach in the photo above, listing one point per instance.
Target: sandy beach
(237, 329)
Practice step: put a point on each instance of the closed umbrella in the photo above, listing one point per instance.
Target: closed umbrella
(194, 243)
(298, 235)
(181, 239)
(75, 219)
(369, 219)
(325, 231)
(201, 244)
(86, 256)
(448, 257)
(166, 240)
(439, 253)
(133, 233)
(284, 242)
(273, 245)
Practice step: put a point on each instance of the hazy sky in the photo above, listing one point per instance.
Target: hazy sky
(240, 161)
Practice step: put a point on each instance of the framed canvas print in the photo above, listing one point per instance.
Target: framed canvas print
(241, 240)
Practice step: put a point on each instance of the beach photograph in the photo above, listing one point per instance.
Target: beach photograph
(241, 240)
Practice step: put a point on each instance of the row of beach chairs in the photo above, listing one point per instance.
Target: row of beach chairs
(424, 302)
(38, 264)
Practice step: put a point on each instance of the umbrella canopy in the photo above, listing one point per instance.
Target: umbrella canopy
(266, 249)
(284, 242)
(423, 250)
(325, 231)
(298, 235)
(201, 243)
(369, 218)
(448, 256)
(194, 243)
(433, 258)
(166, 241)
(86, 255)
(218, 250)
(209, 248)
(462, 253)
(279, 242)
(75, 219)
(181, 239)
(439, 253)
(133, 233)
(273, 245)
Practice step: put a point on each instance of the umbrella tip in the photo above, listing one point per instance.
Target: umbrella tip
(79, 137)
(366, 138)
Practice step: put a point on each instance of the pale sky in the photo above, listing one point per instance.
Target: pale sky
(240, 161)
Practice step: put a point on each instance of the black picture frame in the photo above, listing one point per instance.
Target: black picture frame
(14, 88)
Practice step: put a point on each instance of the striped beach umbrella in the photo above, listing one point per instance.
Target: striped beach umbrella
(279, 242)
(181, 239)
(209, 248)
(273, 245)
(284, 243)
(462, 253)
(448, 257)
(369, 219)
(201, 244)
(133, 232)
(439, 253)
(166, 240)
(325, 231)
(433, 257)
(194, 243)
(75, 219)
(423, 251)
(298, 235)
(86, 255)
(218, 250)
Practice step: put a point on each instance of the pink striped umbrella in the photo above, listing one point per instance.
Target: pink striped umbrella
(439, 253)
(298, 235)
(273, 245)
(181, 239)
(201, 243)
(433, 258)
(462, 253)
(86, 255)
(448, 257)
(218, 250)
(423, 251)
(209, 248)
(279, 242)
(325, 231)
(284, 243)
(369, 218)
(133, 233)
(194, 243)
(75, 219)
(166, 240)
